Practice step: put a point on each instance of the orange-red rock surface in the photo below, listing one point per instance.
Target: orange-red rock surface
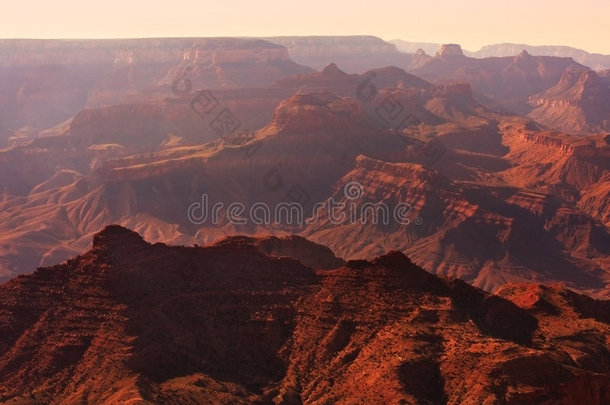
(129, 321)
(579, 103)
(499, 197)
(504, 201)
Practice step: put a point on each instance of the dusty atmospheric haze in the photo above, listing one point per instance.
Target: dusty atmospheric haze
(305, 203)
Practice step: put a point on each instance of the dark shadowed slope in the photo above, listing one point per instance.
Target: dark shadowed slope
(130, 321)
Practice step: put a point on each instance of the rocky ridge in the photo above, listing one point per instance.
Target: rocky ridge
(130, 321)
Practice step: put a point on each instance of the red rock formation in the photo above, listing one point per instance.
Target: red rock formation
(552, 187)
(579, 103)
(450, 50)
(308, 253)
(331, 78)
(317, 112)
(574, 169)
(448, 220)
(81, 178)
(129, 321)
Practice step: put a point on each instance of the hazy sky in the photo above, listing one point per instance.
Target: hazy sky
(583, 24)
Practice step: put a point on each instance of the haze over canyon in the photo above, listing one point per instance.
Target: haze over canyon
(303, 220)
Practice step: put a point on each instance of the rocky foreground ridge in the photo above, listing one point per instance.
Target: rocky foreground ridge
(241, 321)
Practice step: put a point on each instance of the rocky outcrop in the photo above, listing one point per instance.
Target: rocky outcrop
(568, 146)
(428, 48)
(450, 50)
(148, 126)
(317, 112)
(309, 253)
(128, 321)
(573, 168)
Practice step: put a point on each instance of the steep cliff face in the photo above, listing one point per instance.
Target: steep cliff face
(129, 321)
(574, 169)
(595, 199)
(578, 104)
(439, 223)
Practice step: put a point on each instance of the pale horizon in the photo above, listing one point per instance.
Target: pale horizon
(472, 24)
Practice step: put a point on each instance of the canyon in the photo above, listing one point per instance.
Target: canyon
(463, 168)
(231, 323)
(421, 227)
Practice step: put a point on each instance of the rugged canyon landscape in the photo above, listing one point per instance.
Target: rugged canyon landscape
(303, 220)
